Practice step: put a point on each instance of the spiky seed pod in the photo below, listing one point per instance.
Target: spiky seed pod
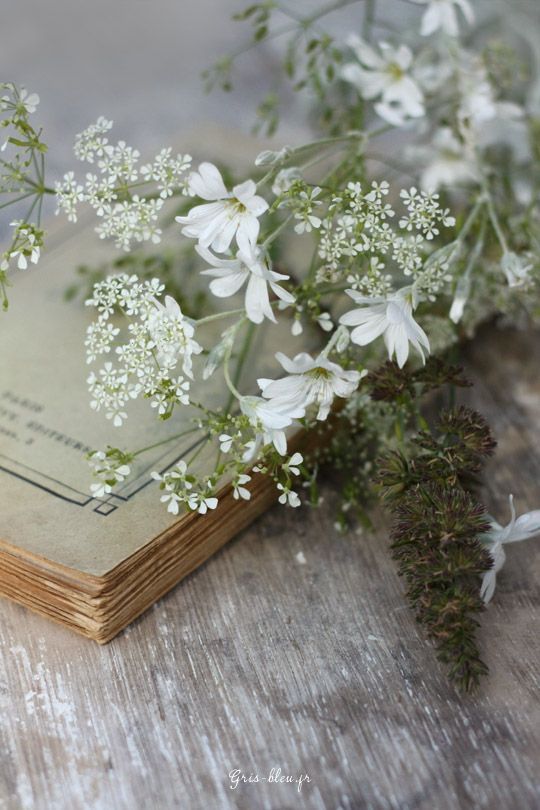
(468, 438)
(435, 540)
(438, 372)
(389, 382)
(395, 474)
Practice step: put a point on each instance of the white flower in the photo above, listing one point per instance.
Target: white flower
(442, 14)
(91, 143)
(269, 420)
(28, 101)
(515, 269)
(172, 334)
(391, 317)
(525, 526)
(198, 502)
(239, 490)
(251, 265)
(288, 497)
(291, 465)
(385, 75)
(309, 381)
(109, 469)
(225, 442)
(228, 214)
(284, 180)
(26, 244)
(448, 161)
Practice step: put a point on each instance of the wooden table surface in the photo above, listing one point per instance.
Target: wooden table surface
(292, 648)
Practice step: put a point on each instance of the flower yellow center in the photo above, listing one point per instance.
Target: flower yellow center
(319, 373)
(396, 73)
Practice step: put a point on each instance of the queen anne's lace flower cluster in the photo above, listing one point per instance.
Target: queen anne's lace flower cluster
(159, 341)
(126, 218)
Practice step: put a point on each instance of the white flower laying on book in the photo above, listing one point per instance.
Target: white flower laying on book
(251, 265)
(385, 74)
(442, 15)
(309, 381)
(521, 528)
(391, 317)
(226, 214)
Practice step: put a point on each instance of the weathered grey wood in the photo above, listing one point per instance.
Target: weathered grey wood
(259, 660)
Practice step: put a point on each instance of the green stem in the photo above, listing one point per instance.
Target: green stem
(496, 224)
(369, 17)
(275, 233)
(226, 373)
(12, 202)
(218, 316)
(241, 362)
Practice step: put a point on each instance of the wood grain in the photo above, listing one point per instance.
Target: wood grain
(260, 660)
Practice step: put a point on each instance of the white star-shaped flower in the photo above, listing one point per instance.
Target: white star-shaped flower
(250, 265)
(391, 317)
(385, 74)
(270, 420)
(442, 15)
(309, 381)
(226, 215)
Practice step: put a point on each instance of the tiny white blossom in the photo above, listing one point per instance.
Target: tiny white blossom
(251, 264)
(225, 442)
(226, 215)
(385, 74)
(239, 490)
(291, 465)
(201, 503)
(442, 15)
(110, 469)
(516, 269)
(28, 101)
(391, 317)
(288, 497)
(172, 335)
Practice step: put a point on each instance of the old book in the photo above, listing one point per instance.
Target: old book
(91, 564)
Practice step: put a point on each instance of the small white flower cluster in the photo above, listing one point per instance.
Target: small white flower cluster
(110, 467)
(159, 339)
(358, 223)
(180, 489)
(126, 217)
(25, 246)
